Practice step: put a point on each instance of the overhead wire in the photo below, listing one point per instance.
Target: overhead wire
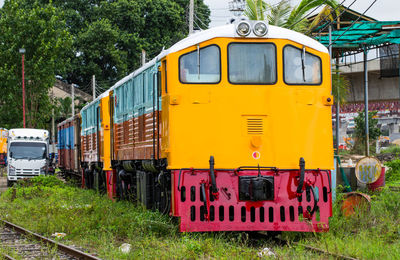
(348, 28)
(331, 22)
(308, 14)
(200, 21)
(324, 19)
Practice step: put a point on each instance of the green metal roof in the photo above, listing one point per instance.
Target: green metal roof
(364, 33)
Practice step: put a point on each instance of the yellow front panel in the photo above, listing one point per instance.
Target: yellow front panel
(247, 125)
(106, 133)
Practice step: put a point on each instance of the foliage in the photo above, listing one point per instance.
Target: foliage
(393, 174)
(41, 30)
(111, 34)
(359, 132)
(45, 205)
(283, 14)
(296, 21)
(279, 13)
(370, 234)
(91, 221)
(340, 86)
(41, 181)
(327, 14)
(255, 9)
(77, 39)
(394, 149)
(373, 129)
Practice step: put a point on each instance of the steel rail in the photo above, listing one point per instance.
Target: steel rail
(309, 248)
(321, 251)
(5, 256)
(64, 248)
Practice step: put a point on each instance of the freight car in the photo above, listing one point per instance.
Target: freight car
(68, 135)
(229, 129)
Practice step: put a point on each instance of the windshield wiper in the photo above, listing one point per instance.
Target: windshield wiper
(303, 61)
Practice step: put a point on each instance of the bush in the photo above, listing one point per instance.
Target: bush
(41, 181)
(393, 174)
(394, 149)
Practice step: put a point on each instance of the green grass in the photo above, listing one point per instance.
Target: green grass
(369, 234)
(392, 176)
(395, 149)
(46, 205)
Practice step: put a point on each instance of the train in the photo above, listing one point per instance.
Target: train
(3, 146)
(229, 129)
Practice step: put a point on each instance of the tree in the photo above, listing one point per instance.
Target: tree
(359, 130)
(283, 14)
(340, 86)
(41, 30)
(111, 34)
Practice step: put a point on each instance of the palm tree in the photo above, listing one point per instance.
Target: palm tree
(283, 14)
(255, 9)
(340, 86)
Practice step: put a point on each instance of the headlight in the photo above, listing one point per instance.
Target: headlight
(11, 170)
(260, 29)
(243, 28)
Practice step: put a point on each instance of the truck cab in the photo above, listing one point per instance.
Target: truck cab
(27, 153)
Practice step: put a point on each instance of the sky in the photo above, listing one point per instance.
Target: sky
(383, 10)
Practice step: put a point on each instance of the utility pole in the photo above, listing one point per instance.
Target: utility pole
(366, 100)
(73, 99)
(22, 51)
(143, 57)
(94, 86)
(53, 130)
(191, 16)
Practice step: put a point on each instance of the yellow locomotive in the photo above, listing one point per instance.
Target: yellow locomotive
(229, 129)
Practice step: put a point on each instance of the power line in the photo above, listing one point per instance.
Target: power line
(308, 14)
(348, 28)
(324, 19)
(331, 22)
(200, 21)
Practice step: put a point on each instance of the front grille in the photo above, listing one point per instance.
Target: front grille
(255, 126)
(27, 171)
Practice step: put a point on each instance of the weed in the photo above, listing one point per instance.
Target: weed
(94, 222)
(393, 174)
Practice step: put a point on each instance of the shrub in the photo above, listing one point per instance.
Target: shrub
(393, 174)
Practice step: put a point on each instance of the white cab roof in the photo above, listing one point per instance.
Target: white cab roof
(225, 31)
(28, 132)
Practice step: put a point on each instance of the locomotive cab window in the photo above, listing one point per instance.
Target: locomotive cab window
(201, 66)
(301, 67)
(252, 63)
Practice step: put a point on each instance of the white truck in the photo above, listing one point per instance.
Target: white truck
(27, 153)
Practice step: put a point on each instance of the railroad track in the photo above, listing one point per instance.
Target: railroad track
(29, 245)
(317, 250)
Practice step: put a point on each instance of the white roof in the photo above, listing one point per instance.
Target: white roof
(28, 132)
(229, 31)
(225, 31)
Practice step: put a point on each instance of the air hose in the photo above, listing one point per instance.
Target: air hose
(302, 165)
